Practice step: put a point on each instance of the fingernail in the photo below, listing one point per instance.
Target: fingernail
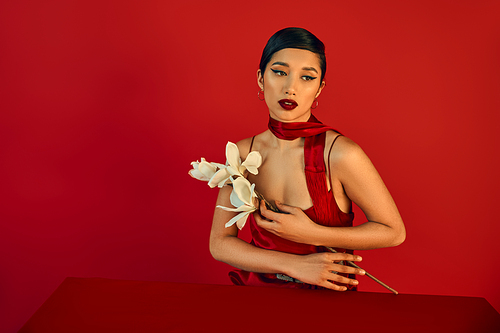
(359, 258)
(362, 272)
(355, 282)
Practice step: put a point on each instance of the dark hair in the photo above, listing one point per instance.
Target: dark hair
(294, 38)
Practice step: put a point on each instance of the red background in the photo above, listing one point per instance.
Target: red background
(104, 104)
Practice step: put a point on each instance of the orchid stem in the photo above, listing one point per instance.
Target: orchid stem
(272, 206)
(269, 205)
(367, 274)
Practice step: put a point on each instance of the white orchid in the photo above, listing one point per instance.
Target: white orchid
(220, 178)
(243, 198)
(234, 166)
(204, 170)
(243, 194)
(251, 163)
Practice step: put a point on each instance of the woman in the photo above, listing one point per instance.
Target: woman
(313, 173)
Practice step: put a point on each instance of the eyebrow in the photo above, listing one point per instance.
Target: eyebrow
(312, 69)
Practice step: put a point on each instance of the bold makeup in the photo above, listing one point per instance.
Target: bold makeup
(288, 104)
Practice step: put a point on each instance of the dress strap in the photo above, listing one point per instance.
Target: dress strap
(251, 145)
(329, 152)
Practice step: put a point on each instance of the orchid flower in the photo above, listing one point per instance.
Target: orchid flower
(243, 194)
(204, 170)
(252, 162)
(234, 166)
(242, 197)
(219, 178)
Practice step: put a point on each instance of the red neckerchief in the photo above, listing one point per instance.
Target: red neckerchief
(314, 133)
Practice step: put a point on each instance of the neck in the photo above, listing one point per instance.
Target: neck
(282, 144)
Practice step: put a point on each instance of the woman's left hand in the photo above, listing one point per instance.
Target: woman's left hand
(293, 224)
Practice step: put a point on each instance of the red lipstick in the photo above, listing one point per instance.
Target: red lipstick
(288, 104)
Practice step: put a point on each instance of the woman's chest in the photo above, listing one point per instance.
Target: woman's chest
(281, 177)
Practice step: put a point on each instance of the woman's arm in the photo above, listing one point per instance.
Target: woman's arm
(315, 268)
(363, 185)
(225, 245)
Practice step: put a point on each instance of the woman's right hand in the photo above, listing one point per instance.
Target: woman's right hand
(319, 269)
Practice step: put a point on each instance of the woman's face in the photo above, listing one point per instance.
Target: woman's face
(291, 82)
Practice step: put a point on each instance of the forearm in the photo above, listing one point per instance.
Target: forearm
(242, 255)
(293, 224)
(367, 236)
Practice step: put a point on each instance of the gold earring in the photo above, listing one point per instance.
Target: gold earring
(260, 94)
(314, 106)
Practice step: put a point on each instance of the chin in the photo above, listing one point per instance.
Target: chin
(290, 116)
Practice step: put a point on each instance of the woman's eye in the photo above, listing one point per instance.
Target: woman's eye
(278, 72)
(308, 78)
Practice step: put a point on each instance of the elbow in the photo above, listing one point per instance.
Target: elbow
(222, 247)
(399, 240)
(214, 250)
(399, 237)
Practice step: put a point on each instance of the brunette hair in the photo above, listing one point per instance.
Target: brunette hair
(294, 38)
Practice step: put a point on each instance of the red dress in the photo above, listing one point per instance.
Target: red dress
(324, 211)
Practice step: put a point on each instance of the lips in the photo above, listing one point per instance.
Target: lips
(288, 104)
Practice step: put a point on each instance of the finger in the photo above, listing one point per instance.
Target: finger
(333, 286)
(348, 269)
(269, 214)
(285, 208)
(268, 225)
(342, 279)
(339, 256)
(258, 218)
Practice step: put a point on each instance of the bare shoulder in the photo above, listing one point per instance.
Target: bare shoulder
(244, 147)
(245, 144)
(344, 152)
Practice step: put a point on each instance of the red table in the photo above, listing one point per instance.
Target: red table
(105, 305)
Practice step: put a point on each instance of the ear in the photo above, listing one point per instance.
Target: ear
(323, 84)
(260, 79)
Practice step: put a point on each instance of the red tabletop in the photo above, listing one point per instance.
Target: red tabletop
(105, 305)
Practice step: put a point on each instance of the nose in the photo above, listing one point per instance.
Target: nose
(290, 86)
